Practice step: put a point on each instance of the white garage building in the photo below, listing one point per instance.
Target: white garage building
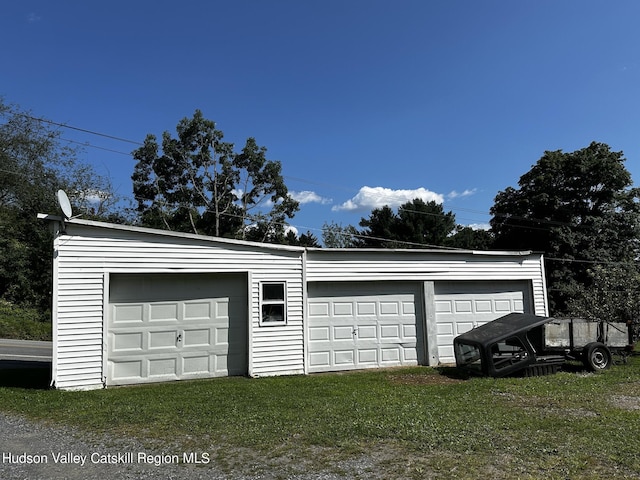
(134, 305)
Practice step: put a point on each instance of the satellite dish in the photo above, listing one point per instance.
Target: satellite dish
(65, 204)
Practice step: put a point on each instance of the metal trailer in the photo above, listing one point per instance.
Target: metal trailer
(523, 344)
(591, 342)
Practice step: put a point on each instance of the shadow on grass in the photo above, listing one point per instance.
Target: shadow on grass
(20, 374)
(453, 373)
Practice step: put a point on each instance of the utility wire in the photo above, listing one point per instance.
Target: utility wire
(50, 122)
(112, 137)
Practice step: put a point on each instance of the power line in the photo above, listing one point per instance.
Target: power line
(87, 144)
(112, 137)
(50, 122)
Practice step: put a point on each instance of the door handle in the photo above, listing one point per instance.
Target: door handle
(179, 339)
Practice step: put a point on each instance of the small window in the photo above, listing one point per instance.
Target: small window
(273, 304)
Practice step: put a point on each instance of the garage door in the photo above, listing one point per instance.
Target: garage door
(176, 326)
(364, 325)
(461, 306)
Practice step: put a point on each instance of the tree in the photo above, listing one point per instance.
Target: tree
(580, 209)
(417, 224)
(425, 222)
(34, 164)
(197, 183)
(469, 238)
(334, 235)
(304, 240)
(614, 294)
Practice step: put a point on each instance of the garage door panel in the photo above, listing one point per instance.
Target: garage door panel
(443, 306)
(344, 358)
(390, 332)
(319, 309)
(363, 325)
(162, 367)
(182, 338)
(366, 308)
(321, 360)
(409, 331)
(127, 314)
(196, 365)
(369, 357)
(343, 309)
(163, 339)
(163, 312)
(389, 308)
(366, 332)
(390, 355)
(123, 370)
(194, 311)
(318, 333)
(127, 342)
(462, 306)
(197, 338)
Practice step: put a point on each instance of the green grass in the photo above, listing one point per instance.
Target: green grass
(412, 423)
(23, 323)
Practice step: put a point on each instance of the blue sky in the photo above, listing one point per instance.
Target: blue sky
(365, 103)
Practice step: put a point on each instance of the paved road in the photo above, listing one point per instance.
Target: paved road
(25, 350)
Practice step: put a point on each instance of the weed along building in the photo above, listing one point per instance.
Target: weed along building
(134, 305)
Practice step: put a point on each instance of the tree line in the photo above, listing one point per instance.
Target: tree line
(580, 209)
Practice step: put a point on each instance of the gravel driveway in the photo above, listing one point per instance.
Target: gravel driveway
(35, 451)
(24, 443)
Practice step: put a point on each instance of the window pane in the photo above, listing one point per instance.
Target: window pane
(273, 291)
(273, 313)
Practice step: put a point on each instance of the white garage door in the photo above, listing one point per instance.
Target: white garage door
(175, 326)
(461, 306)
(364, 325)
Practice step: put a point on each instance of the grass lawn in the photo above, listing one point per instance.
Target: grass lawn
(398, 423)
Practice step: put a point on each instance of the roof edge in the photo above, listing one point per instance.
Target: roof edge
(167, 233)
(499, 253)
(275, 246)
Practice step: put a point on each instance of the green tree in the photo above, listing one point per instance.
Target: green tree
(580, 209)
(416, 224)
(334, 235)
(469, 238)
(197, 183)
(304, 240)
(425, 222)
(614, 294)
(380, 230)
(34, 164)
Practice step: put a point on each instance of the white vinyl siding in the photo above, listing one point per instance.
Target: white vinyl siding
(88, 254)
(405, 265)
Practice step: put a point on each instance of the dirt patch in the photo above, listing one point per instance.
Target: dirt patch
(422, 379)
(626, 402)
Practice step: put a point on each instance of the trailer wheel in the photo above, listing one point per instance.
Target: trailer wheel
(596, 357)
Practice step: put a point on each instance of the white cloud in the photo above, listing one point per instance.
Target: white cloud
(309, 197)
(290, 228)
(453, 194)
(369, 198)
(33, 18)
(479, 226)
(92, 197)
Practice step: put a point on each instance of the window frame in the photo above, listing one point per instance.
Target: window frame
(275, 302)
